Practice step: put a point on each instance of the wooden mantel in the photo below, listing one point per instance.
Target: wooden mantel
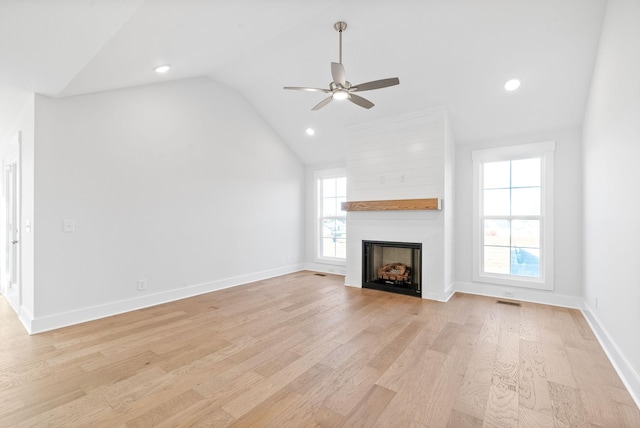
(393, 205)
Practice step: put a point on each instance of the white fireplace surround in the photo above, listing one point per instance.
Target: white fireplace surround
(406, 157)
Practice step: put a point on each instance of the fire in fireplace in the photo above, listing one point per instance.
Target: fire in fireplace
(392, 266)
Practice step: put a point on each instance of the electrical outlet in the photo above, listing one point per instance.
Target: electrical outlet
(69, 226)
(142, 284)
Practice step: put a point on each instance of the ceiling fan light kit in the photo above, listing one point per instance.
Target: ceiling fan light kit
(340, 88)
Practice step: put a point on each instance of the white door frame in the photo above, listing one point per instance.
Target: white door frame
(10, 261)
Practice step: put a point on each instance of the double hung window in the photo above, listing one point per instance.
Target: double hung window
(331, 234)
(513, 222)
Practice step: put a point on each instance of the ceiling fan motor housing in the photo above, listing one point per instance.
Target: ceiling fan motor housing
(340, 88)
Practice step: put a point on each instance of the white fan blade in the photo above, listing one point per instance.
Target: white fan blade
(376, 84)
(362, 102)
(297, 88)
(322, 103)
(337, 72)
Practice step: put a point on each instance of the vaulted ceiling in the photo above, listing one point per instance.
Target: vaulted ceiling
(456, 53)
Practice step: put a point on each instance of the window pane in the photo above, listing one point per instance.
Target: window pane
(332, 192)
(497, 175)
(497, 260)
(496, 202)
(328, 187)
(340, 230)
(525, 233)
(329, 228)
(341, 248)
(329, 207)
(497, 232)
(525, 201)
(328, 247)
(525, 262)
(341, 186)
(525, 173)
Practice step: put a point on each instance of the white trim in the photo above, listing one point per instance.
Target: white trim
(519, 151)
(318, 175)
(439, 297)
(523, 294)
(522, 151)
(26, 318)
(630, 378)
(330, 173)
(333, 269)
(52, 322)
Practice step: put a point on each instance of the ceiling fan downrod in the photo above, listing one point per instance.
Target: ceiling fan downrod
(340, 26)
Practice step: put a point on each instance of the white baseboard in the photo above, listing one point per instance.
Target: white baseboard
(620, 363)
(525, 295)
(326, 268)
(26, 318)
(52, 322)
(440, 297)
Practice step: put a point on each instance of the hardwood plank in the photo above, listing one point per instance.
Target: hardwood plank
(390, 352)
(367, 411)
(268, 409)
(304, 350)
(567, 405)
(441, 394)
(75, 413)
(502, 404)
(557, 366)
(413, 391)
(533, 389)
(201, 414)
(535, 410)
(474, 391)
(460, 420)
(162, 411)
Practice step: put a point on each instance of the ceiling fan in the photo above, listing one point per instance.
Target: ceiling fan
(340, 88)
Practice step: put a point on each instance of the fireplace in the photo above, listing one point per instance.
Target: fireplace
(392, 266)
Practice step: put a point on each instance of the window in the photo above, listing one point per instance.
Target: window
(513, 224)
(332, 221)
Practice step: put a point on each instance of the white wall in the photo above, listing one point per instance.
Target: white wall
(567, 220)
(403, 157)
(611, 197)
(181, 184)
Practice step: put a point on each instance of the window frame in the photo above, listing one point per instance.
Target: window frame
(545, 151)
(318, 176)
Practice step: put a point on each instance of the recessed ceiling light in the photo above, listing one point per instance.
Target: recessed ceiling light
(512, 85)
(310, 131)
(162, 69)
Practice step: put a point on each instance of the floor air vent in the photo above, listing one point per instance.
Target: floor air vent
(504, 302)
(319, 274)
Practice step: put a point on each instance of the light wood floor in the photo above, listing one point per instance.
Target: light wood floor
(303, 350)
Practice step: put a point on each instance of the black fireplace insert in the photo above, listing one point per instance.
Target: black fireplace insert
(392, 266)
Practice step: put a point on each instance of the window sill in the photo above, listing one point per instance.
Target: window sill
(514, 282)
(328, 261)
